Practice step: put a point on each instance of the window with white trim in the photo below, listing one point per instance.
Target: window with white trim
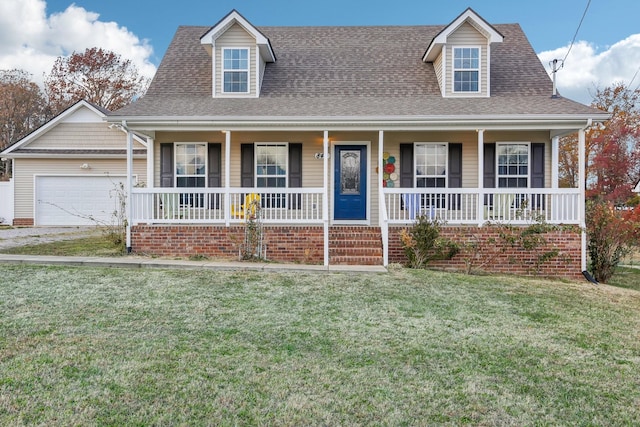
(430, 165)
(235, 70)
(271, 164)
(466, 69)
(513, 165)
(191, 164)
(271, 171)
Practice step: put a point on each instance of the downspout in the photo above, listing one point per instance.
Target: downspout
(128, 207)
(582, 188)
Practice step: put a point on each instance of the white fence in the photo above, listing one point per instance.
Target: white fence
(6, 202)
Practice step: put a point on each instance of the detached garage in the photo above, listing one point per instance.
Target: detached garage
(66, 172)
(77, 200)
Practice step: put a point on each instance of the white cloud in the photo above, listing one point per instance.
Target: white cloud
(587, 68)
(30, 40)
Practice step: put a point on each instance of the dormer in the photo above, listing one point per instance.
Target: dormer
(461, 56)
(239, 54)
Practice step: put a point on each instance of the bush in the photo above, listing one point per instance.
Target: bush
(610, 235)
(422, 243)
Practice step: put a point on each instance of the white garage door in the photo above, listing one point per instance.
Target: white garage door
(75, 200)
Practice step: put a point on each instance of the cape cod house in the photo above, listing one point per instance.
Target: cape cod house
(343, 135)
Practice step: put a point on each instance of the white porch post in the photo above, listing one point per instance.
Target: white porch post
(480, 207)
(581, 186)
(555, 142)
(150, 162)
(382, 208)
(227, 178)
(128, 200)
(325, 195)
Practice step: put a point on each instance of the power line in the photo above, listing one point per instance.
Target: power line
(578, 29)
(633, 78)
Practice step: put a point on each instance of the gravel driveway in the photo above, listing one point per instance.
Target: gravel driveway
(22, 236)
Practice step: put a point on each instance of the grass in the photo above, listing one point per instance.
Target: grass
(626, 277)
(98, 245)
(151, 347)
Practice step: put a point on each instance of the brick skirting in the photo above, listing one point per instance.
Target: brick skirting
(496, 254)
(303, 244)
(23, 222)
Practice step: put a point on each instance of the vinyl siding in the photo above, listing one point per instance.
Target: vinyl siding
(467, 35)
(261, 68)
(469, 142)
(514, 136)
(236, 37)
(437, 66)
(25, 169)
(82, 136)
(312, 142)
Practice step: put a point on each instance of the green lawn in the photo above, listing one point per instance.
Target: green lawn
(95, 346)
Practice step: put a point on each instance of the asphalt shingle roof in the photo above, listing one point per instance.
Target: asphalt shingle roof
(350, 72)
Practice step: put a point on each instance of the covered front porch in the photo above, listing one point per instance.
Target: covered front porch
(311, 207)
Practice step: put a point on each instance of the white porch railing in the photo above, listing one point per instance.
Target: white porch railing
(398, 205)
(215, 205)
(477, 206)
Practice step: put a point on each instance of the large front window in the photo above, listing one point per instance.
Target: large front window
(466, 69)
(431, 165)
(235, 71)
(513, 165)
(190, 163)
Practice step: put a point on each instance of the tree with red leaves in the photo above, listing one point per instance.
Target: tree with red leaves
(615, 162)
(612, 150)
(99, 76)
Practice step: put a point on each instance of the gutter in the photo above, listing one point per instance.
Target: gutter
(391, 120)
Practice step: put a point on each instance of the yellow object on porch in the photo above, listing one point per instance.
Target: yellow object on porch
(248, 209)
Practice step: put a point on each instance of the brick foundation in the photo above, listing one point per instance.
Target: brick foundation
(496, 254)
(284, 243)
(304, 244)
(23, 222)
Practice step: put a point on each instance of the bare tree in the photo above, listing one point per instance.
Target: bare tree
(99, 76)
(22, 109)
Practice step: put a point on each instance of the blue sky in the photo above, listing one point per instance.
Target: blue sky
(608, 41)
(549, 24)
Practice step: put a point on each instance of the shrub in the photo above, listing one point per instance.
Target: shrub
(422, 243)
(610, 236)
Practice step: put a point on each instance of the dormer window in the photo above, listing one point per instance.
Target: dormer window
(461, 56)
(239, 54)
(466, 69)
(235, 72)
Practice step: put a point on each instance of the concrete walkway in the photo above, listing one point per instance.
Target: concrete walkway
(144, 262)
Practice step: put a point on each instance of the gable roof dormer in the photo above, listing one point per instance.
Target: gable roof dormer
(239, 53)
(461, 55)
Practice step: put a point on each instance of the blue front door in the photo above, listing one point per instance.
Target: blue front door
(350, 190)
